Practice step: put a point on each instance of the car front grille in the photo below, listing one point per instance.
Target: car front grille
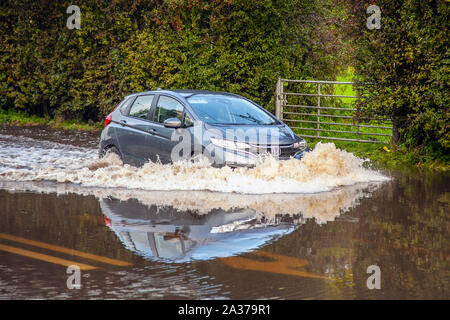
(285, 151)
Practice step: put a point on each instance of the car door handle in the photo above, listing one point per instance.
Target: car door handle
(123, 122)
(152, 130)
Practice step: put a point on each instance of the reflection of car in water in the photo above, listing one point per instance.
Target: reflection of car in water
(168, 234)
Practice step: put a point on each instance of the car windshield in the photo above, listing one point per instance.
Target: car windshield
(224, 109)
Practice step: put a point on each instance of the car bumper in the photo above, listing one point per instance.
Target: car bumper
(300, 154)
(239, 159)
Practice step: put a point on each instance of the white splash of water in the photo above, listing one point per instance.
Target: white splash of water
(323, 169)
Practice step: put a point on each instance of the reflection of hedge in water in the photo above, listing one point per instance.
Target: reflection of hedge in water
(129, 46)
(407, 238)
(62, 220)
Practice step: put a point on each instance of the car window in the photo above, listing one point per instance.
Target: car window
(231, 110)
(141, 107)
(168, 108)
(124, 105)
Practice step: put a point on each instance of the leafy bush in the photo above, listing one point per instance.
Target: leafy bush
(407, 63)
(129, 46)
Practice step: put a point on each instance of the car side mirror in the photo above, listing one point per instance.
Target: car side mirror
(172, 123)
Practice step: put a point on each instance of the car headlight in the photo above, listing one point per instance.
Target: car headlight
(227, 144)
(300, 144)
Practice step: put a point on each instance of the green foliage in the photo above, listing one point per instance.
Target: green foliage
(129, 46)
(407, 64)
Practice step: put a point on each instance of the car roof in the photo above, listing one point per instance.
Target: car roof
(185, 93)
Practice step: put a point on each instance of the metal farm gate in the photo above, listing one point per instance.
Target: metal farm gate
(328, 110)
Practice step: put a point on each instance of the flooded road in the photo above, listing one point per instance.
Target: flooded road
(132, 239)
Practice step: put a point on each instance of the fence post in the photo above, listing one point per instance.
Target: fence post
(318, 109)
(358, 104)
(278, 100)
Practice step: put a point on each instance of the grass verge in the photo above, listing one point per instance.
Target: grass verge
(18, 118)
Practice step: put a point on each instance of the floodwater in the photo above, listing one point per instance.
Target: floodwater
(291, 230)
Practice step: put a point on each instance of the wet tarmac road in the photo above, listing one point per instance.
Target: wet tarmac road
(138, 244)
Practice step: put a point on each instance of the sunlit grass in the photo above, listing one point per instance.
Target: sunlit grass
(18, 118)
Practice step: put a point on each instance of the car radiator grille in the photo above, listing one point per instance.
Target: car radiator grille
(285, 151)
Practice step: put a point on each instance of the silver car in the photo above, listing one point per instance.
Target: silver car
(171, 125)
